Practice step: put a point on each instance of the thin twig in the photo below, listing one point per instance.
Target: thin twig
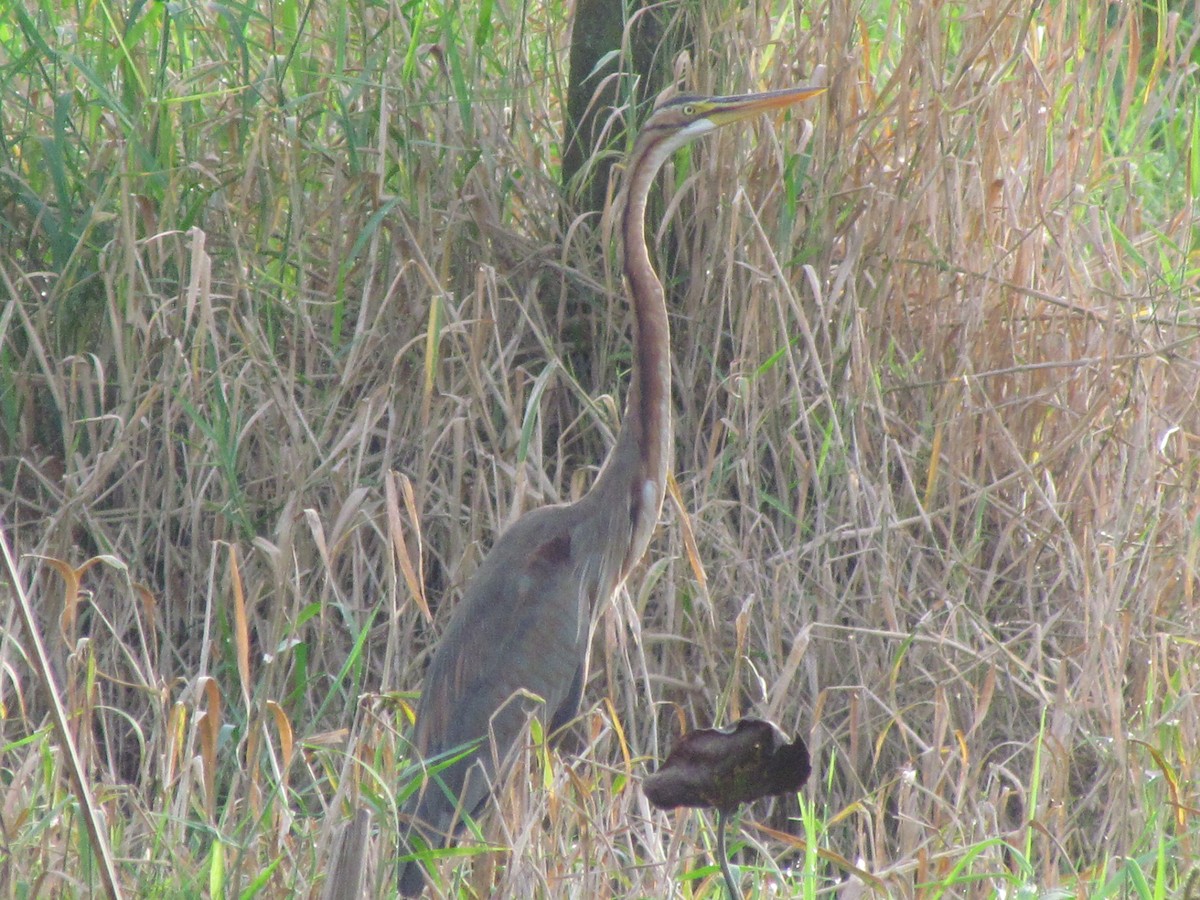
(722, 820)
(92, 819)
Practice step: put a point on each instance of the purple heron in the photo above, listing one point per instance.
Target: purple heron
(516, 644)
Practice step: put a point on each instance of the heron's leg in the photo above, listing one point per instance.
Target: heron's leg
(569, 708)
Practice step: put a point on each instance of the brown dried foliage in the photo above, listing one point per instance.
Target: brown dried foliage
(937, 423)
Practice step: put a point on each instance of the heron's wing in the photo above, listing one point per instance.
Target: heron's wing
(519, 632)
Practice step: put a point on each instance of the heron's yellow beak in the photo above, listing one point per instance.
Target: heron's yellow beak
(725, 110)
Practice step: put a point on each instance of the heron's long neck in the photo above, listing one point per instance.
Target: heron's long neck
(648, 407)
(636, 469)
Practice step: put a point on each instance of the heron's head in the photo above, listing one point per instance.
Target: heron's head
(681, 119)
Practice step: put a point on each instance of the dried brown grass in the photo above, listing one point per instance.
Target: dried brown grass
(935, 439)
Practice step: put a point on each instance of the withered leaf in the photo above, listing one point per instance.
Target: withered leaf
(724, 767)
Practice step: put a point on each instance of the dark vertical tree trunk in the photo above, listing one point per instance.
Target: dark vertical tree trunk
(601, 77)
(605, 72)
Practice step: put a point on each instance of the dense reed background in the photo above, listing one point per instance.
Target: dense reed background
(295, 323)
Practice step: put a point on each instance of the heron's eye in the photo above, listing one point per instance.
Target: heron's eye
(689, 109)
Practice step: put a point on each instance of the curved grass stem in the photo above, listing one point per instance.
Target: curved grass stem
(723, 855)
